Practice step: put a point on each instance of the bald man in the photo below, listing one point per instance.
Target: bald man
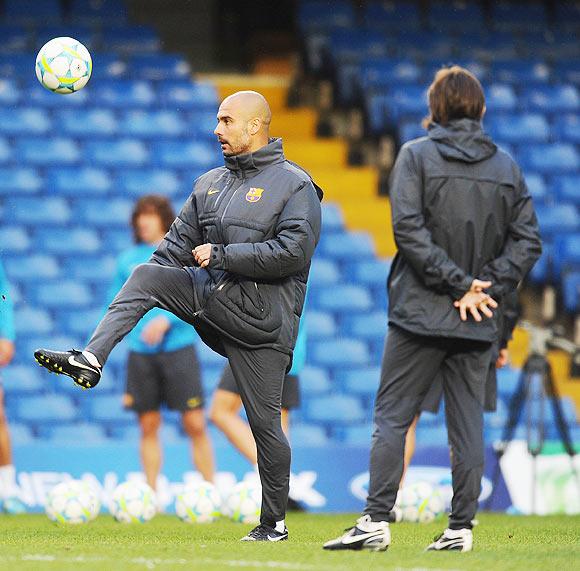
(234, 264)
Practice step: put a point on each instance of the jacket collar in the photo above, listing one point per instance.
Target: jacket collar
(251, 164)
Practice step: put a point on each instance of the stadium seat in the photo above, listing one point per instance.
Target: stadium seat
(518, 15)
(102, 212)
(46, 409)
(107, 66)
(14, 239)
(97, 268)
(321, 325)
(568, 70)
(19, 180)
(99, 12)
(168, 433)
(339, 246)
(124, 93)
(62, 294)
(571, 291)
(371, 326)
(116, 240)
(392, 15)
(338, 353)
(83, 33)
(69, 240)
(369, 272)
(160, 67)
(355, 44)
(314, 15)
(542, 270)
(500, 98)
(567, 128)
(363, 381)
(181, 154)
(458, 15)
(358, 435)
(520, 72)
(151, 124)
(537, 188)
(28, 211)
(309, 435)
(22, 379)
(147, 181)
(15, 38)
(87, 433)
(335, 409)
(567, 188)
(507, 382)
(566, 253)
(554, 99)
(21, 434)
(78, 181)
(31, 10)
(189, 95)
(46, 152)
(9, 97)
(314, 381)
(108, 410)
(29, 121)
(380, 73)
(519, 129)
(556, 158)
(32, 268)
(323, 272)
(332, 217)
(117, 153)
(40, 97)
(343, 298)
(30, 320)
(89, 123)
(431, 436)
(131, 39)
(409, 130)
(559, 218)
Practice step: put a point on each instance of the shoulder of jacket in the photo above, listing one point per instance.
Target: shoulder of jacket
(209, 176)
(294, 173)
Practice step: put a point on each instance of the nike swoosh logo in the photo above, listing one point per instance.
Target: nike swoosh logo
(360, 537)
(213, 191)
(75, 363)
(276, 537)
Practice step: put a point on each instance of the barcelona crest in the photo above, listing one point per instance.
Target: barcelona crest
(254, 194)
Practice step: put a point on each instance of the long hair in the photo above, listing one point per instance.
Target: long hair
(152, 204)
(454, 94)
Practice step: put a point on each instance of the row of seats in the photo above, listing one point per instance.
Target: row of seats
(90, 11)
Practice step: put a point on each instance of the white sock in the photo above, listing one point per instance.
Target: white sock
(456, 533)
(366, 524)
(7, 481)
(91, 359)
(280, 526)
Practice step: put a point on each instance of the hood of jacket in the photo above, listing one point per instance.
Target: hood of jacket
(250, 164)
(462, 140)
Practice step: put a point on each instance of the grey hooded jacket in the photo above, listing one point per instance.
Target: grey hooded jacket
(262, 214)
(461, 210)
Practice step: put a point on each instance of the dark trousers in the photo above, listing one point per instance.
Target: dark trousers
(259, 373)
(410, 364)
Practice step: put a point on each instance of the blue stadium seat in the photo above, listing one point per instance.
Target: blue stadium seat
(409, 130)
(169, 433)
(458, 15)
(392, 15)
(131, 39)
(46, 152)
(332, 217)
(90, 268)
(32, 268)
(46, 409)
(338, 353)
(343, 298)
(556, 158)
(431, 436)
(9, 96)
(567, 188)
(181, 154)
(15, 38)
(417, 43)
(477, 67)
(519, 129)
(82, 33)
(520, 72)
(323, 272)
(201, 123)
(567, 128)
(40, 97)
(559, 218)
(108, 410)
(21, 434)
(28, 121)
(369, 326)
(568, 70)
(27, 211)
(363, 381)
(107, 66)
(500, 98)
(571, 292)
(566, 253)
(380, 73)
(5, 151)
(14, 239)
(410, 100)
(354, 44)
(32, 10)
(104, 213)
(308, 435)
(19, 180)
(369, 272)
(82, 321)
(75, 240)
(77, 181)
(537, 187)
(147, 181)
(161, 67)
(99, 11)
(22, 379)
(62, 294)
(152, 124)
(30, 320)
(542, 270)
(316, 15)
(340, 246)
(518, 15)
(124, 93)
(87, 433)
(116, 239)
(314, 381)
(358, 435)
(117, 153)
(554, 99)
(189, 95)
(17, 65)
(335, 409)
(321, 325)
(507, 381)
(88, 123)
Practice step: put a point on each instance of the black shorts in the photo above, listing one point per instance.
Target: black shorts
(171, 378)
(290, 390)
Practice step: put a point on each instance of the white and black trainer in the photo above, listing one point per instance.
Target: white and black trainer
(366, 534)
(264, 532)
(73, 363)
(453, 540)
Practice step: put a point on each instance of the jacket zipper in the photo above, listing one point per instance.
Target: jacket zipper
(259, 297)
(230, 201)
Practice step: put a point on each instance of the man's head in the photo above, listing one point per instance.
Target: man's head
(243, 123)
(152, 216)
(455, 94)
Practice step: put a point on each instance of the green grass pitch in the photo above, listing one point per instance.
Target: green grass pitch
(31, 542)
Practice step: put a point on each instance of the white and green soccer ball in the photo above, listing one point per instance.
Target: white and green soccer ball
(72, 502)
(244, 502)
(63, 65)
(420, 502)
(133, 502)
(198, 503)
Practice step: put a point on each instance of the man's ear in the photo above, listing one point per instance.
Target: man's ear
(255, 125)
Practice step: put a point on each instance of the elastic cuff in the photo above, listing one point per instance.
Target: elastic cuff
(217, 257)
(460, 289)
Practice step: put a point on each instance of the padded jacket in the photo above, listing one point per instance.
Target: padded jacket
(461, 210)
(262, 214)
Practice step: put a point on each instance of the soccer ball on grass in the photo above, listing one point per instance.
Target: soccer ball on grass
(133, 502)
(198, 503)
(72, 502)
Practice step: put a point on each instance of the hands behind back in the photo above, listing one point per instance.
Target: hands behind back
(476, 300)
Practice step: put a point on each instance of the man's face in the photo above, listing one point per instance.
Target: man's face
(232, 130)
(149, 227)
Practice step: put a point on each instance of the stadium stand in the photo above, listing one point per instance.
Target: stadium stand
(70, 168)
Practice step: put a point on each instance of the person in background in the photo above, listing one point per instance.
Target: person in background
(162, 367)
(9, 502)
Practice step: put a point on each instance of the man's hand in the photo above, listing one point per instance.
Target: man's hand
(155, 330)
(502, 358)
(474, 303)
(477, 286)
(202, 255)
(6, 352)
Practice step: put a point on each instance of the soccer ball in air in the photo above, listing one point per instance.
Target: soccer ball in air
(73, 502)
(421, 503)
(63, 65)
(198, 503)
(133, 502)
(244, 502)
